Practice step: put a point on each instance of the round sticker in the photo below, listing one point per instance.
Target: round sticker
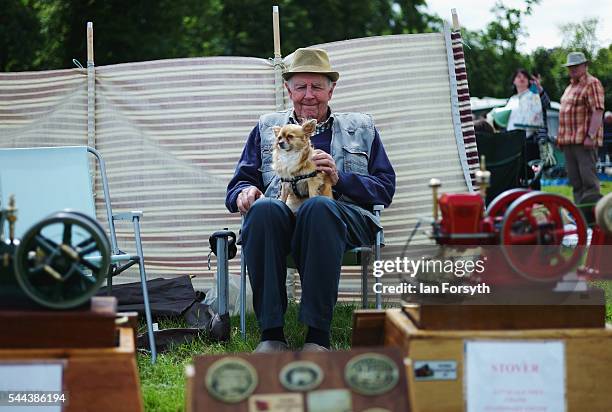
(231, 380)
(301, 376)
(371, 374)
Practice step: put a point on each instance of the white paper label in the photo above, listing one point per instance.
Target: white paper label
(517, 376)
(19, 379)
(435, 370)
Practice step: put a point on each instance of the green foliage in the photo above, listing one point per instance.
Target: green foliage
(163, 384)
(580, 36)
(491, 54)
(48, 34)
(20, 33)
(548, 62)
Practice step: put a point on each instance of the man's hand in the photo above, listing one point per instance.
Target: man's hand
(247, 197)
(588, 142)
(326, 164)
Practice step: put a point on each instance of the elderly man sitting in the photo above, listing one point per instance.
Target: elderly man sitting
(349, 150)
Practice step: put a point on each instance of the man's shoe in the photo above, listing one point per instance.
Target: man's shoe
(313, 347)
(271, 346)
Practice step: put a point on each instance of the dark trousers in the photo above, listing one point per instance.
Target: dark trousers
(580, 162)
(532, 152)
(317, 238)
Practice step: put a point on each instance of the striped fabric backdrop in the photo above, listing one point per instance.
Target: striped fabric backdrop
(171, 132)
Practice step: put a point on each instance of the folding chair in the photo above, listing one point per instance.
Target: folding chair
(505, 158)
(360, 256)
(50, 179)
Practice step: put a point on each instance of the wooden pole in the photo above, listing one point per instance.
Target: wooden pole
(275, 22)
(278, 62)
(90, 51)
(456, 26)
(91, 92)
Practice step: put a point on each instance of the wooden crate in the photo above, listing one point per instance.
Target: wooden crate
(99, 371)
(588, 356)
(96, 380)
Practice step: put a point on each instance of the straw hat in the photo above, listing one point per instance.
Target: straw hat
(575, 58)
(311, 61)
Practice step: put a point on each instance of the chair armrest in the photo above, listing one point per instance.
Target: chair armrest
(128, 215)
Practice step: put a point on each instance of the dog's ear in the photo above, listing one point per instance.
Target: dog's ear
(309, 126)
(276, 130)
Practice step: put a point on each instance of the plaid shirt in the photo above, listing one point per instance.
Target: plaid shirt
(578, 102)
(321, 127)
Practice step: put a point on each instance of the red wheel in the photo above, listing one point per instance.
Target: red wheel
(498, 206)
(543, 236)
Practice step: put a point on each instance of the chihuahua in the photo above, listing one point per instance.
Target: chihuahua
(292, 162)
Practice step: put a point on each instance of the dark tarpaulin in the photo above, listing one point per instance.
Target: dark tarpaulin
(172, 298)
(168, 297)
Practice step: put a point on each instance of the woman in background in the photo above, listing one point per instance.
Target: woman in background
(528, 107)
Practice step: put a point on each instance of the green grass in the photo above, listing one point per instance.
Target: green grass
(606, 187)
(606, 285)
(163, 384)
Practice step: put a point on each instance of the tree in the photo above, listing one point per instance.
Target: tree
(19, 35)
(576, 37)
(549, 63)
(145, 30)
(581, 36)
(491, 54)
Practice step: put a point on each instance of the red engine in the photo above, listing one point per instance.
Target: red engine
(599, 257)
(540, 236)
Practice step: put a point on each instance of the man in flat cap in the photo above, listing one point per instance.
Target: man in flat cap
(580, 132)
(349, 150)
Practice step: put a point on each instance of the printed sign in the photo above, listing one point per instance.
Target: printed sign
(516, 376)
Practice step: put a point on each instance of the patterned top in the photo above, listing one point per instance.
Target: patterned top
(578, 102)
(321, 127)
(526, 112)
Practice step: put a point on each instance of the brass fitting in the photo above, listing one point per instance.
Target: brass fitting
(11, 217)
(435, 184)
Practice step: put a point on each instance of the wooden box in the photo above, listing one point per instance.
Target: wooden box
(588, 356)
(94, 380)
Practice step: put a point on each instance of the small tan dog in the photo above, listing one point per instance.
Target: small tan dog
(292, 162)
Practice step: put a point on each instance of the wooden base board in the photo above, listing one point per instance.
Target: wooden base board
(588, 356)
(95, 380)
(501, 317)
(92, 327)
(268, 367)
